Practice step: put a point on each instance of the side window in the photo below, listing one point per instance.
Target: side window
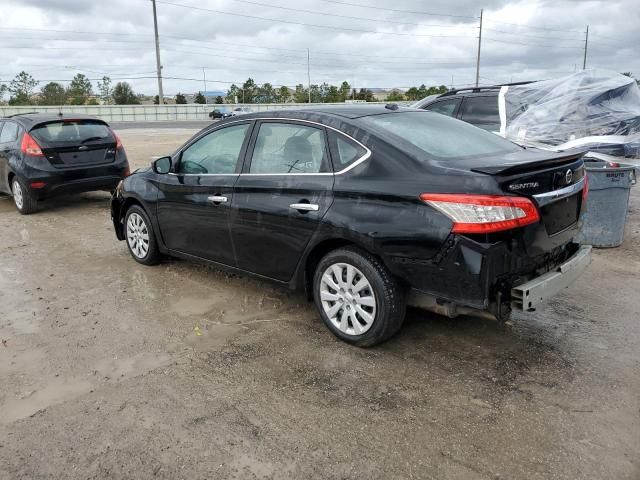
(481, 112)
(216, 153)
(9, 132)
(289, 148)
(344, 151)
(444, 107)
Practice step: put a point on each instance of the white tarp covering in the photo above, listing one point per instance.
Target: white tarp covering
(594, 110)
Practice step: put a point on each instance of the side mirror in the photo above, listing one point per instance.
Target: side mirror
(162, 165)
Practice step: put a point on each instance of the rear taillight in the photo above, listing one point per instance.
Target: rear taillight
(585, 188)
(118, 141)
(30, 147)
(483, 213)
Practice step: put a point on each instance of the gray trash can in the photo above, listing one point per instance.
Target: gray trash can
(607, 204)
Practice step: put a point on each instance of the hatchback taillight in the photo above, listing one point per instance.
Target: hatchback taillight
(30, 147)
(118, 141)
(483, 213)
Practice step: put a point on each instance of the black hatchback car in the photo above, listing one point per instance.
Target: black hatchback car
(368, 209)
(44, 155)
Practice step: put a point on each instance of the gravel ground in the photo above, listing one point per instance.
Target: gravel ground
(114, 370)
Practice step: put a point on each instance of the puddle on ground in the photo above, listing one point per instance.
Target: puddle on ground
(140, 364)
(17, 408)
(213, 337)
(187, 307)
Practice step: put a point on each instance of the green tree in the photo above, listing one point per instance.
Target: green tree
(333, 95)
(284, 94)
(79, 90)
(249, 91)
(200, 98)
(234, 94)
(105, 90)
(21, 89)
(316, 93)
(395, 96)
(301, 94)
(365, 94)
(345, 91)
(266, 94)
(53, 94)
(219, 100)
(412, 94)
(156, 100)
(123, 94)
(180, 99)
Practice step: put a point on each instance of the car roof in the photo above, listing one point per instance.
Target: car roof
(34, 118)
(345, 111)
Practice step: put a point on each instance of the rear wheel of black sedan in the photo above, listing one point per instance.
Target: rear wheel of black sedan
(358, 299)
(141, 240)
(24, 201)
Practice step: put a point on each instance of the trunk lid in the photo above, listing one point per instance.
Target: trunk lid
(74, 143)
(554, 181)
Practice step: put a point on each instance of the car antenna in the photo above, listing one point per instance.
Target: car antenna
(391, 106)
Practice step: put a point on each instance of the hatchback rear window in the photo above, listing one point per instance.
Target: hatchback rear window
(440, 136)
(71, 132)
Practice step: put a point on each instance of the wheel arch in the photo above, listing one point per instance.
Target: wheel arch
(314, 256)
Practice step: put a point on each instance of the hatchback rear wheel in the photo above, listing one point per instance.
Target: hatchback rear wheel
(141, 240)
(24, 201)
(358, 299)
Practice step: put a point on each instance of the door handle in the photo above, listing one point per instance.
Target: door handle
(217, 199)
(304, 207)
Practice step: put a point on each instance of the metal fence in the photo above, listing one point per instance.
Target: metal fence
(150, 113)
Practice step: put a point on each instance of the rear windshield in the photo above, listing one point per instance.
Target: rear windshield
(440, 136)
(74, 131)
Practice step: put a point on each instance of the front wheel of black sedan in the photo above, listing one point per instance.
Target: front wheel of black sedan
(140, 237)
(358, 299)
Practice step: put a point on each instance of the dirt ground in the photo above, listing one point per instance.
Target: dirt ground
(109, 369)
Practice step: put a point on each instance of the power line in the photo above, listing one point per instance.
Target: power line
(530, 44)
(520, 25)
(545, 37)
(313, 25)
(300, 10)
(359, 5)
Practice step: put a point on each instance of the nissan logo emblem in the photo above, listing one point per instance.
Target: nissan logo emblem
(568, 176)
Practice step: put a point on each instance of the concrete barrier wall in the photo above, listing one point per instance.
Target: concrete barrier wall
(150, 113)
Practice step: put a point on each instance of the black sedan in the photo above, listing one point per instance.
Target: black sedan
(367, 209)
(220, 113)
(44, 155)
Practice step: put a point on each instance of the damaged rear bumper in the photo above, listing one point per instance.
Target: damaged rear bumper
(531, 294)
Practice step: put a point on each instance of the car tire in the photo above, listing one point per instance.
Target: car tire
(140, 238)
(358, 299)
(23, 199)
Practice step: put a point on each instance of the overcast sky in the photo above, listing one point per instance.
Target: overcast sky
(431, 42)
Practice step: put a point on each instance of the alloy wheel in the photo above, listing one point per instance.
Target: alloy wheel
(347, 299)
(18, 196)
(137, 235)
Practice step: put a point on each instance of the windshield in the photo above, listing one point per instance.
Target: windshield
(72, 131)
(440, 136)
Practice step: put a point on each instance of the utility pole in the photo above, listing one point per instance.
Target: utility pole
(586, 43)
(479, 45)
(204, 80)
(158, 64)
(308, 75)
